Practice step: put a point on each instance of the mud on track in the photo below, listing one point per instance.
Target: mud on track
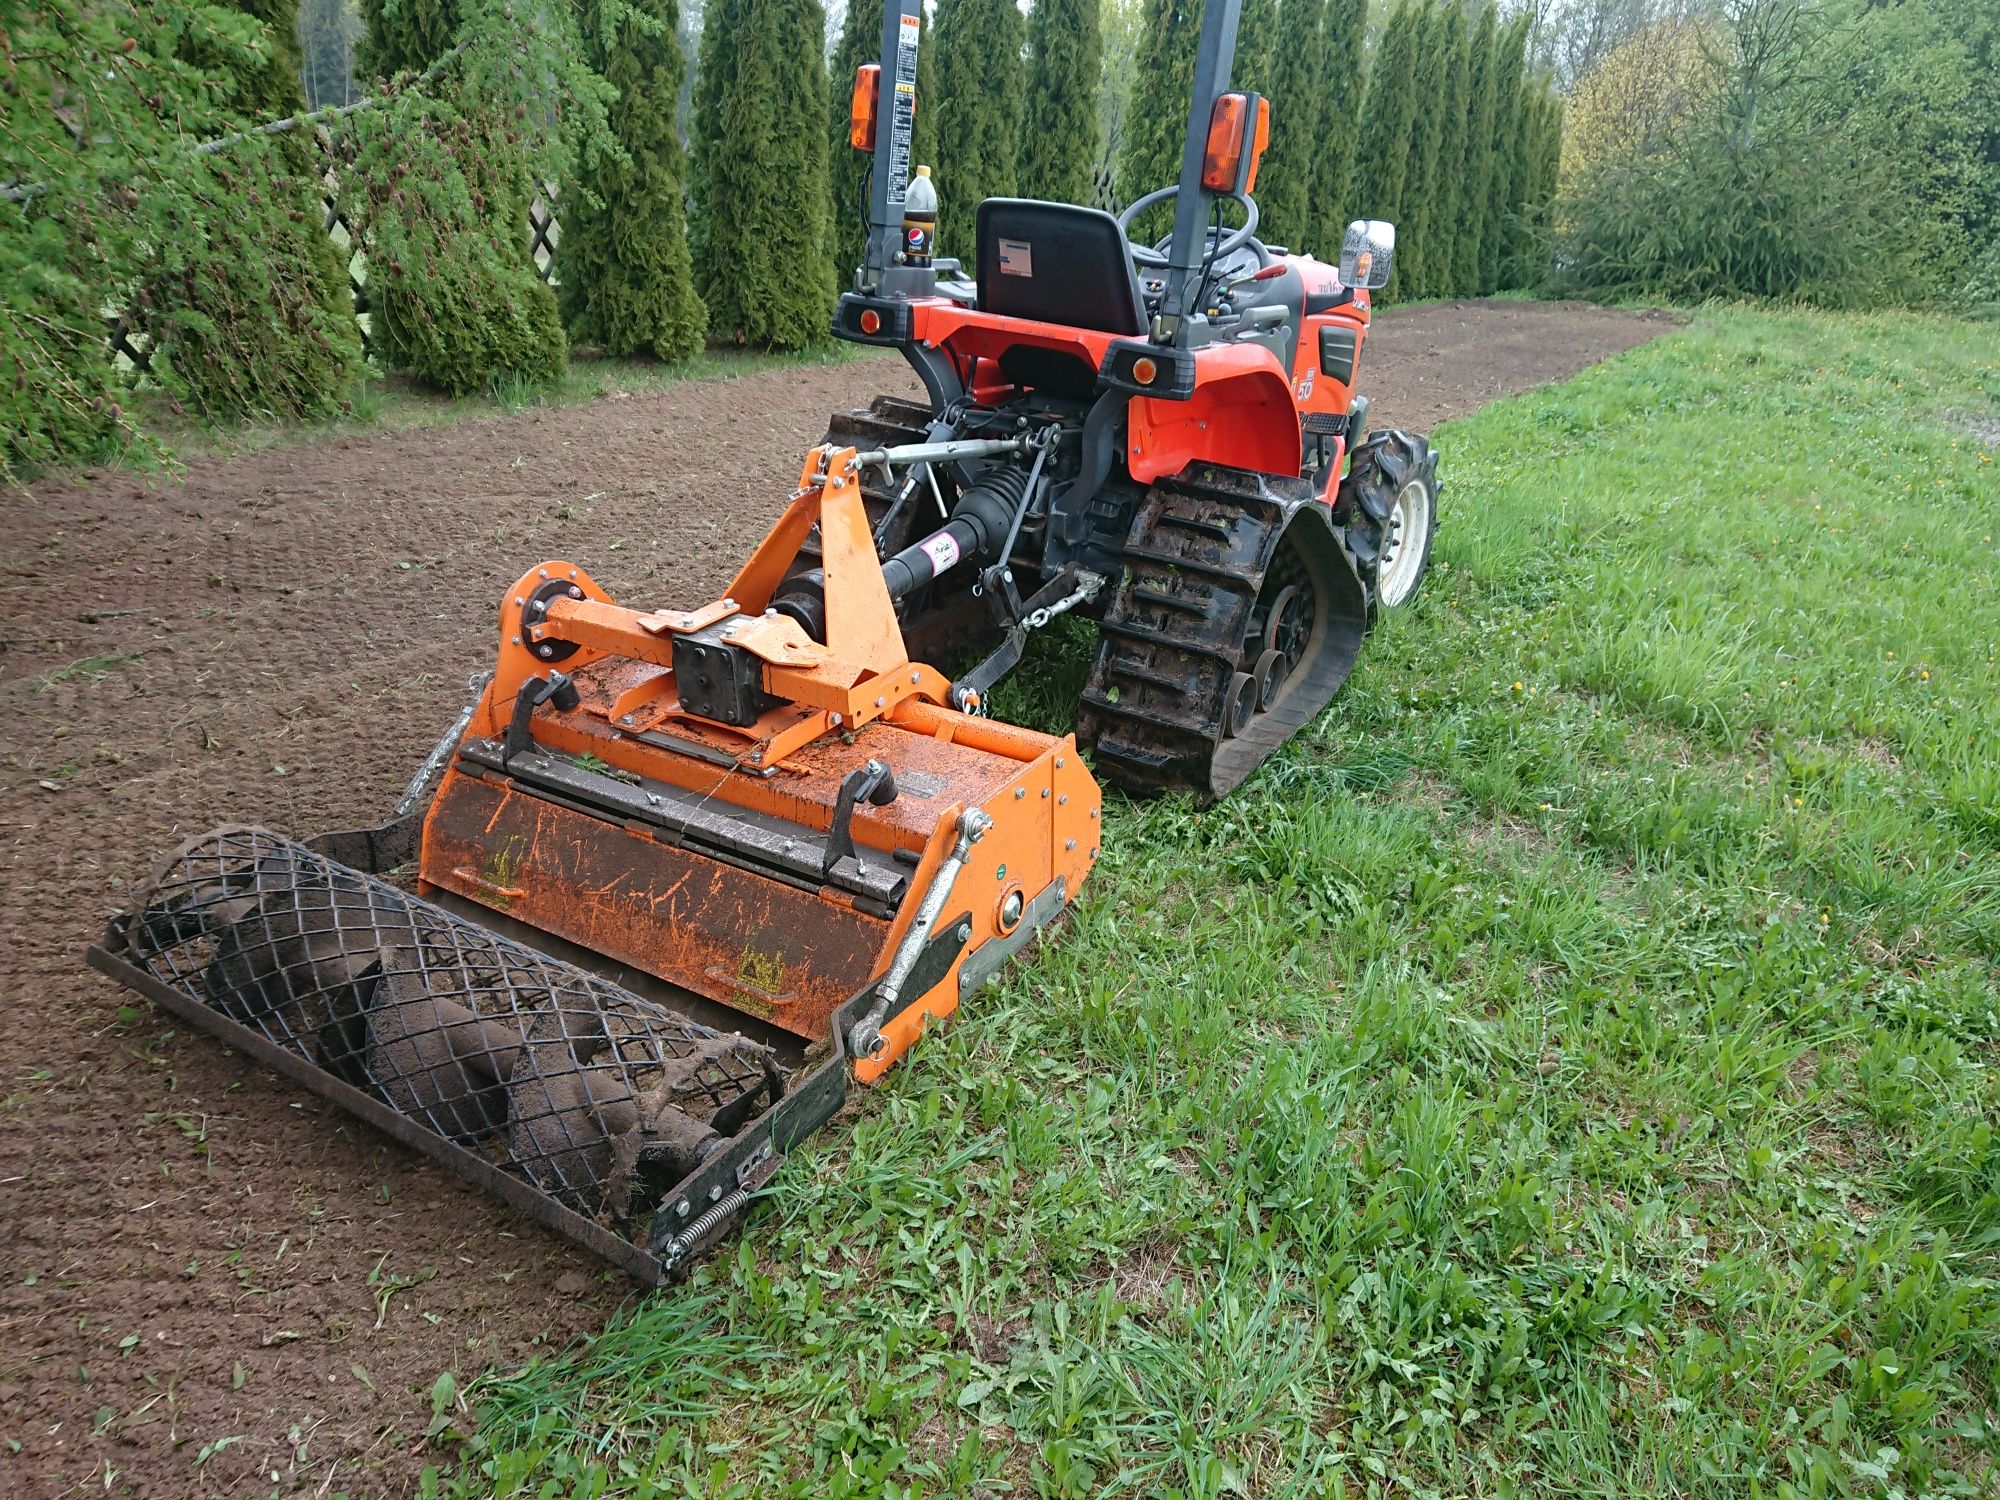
(195, 1252)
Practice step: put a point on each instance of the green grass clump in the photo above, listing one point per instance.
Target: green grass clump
(1566, 1069)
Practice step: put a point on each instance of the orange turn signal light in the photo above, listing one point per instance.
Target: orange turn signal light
(871, 321)
(1145, 371)
(863, 107)
(1239, 128)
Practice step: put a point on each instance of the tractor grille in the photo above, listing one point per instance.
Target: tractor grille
(597, 1098)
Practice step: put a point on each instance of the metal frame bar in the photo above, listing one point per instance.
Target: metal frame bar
(516, 1194)
(1215, 54)
(893, 128)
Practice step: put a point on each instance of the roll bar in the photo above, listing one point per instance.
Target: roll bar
(882, 270)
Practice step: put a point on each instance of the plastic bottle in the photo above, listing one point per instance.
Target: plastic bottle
(920, 219)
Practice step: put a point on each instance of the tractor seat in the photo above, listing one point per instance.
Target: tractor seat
(1057, 263)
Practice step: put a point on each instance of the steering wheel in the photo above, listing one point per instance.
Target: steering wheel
(1231, 240)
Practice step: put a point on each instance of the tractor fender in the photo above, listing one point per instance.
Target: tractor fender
(1241, 415)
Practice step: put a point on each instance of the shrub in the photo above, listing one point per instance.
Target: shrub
(1816, 150)
(627, 283)
(1978, 295)
(245, 298)
(981, 81)
(445, 169)
(247, 302)
(454, 296)
(405, 36)
(760, 173)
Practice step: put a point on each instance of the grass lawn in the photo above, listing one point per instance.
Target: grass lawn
(1568, 1070)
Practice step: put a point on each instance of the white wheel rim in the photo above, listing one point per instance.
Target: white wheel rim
(1402, 557)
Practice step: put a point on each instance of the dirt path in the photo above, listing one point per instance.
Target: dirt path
(213, 1282)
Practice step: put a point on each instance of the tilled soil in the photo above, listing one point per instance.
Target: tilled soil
(213, 1283)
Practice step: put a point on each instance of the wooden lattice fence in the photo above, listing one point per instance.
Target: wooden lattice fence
(131, 346)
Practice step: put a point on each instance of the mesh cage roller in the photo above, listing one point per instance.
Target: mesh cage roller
(596, 1097)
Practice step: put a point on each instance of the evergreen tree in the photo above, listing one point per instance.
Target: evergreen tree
(248, 305)
(259, 85)
(1420, 190)
(404, 36)
(1526, 138)
(1476, 191)
(1059, 123)
(1256, 47)
(1120, 22)
(627, 282)
(1544, 161)
(714, 80)
(1155, 122)
(1292, 165)
(1341, 96)
(444, 174)
(861, 42)
(1448, 214)
(980, 83)
(1509, 64)
(761, 173)
(1382, 157)
(69, 249)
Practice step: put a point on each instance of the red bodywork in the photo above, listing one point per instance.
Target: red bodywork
(1246, 408)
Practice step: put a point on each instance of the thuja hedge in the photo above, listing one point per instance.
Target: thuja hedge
(216, 259)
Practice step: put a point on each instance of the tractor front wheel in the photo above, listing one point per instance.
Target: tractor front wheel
(1387, 510)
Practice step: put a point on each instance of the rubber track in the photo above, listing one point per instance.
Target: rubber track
(1173, 632)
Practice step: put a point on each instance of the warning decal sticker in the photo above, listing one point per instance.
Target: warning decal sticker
(1017, 258)
(942, 550)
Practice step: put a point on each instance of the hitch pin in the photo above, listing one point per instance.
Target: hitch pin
(866, 1040)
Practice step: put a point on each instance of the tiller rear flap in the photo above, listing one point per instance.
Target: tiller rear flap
(678, 878)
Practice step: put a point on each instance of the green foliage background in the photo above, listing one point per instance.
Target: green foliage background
(405, 36)
(627, 280)
(1381, 163)
(1475, 188)
(1059, 117)
(1156, 118)
(219, 260)
(445, 175)
(762, 241)
(1292, 167)
(1849, 152)
(246, 299)
(1343, 89)
(981, 83)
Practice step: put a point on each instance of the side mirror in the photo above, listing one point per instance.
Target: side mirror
(1367, 253)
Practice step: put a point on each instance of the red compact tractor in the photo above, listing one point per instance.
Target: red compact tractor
(676, 878)
(1167, 438)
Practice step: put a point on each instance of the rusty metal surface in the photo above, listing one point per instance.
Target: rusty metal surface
(757, 944)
